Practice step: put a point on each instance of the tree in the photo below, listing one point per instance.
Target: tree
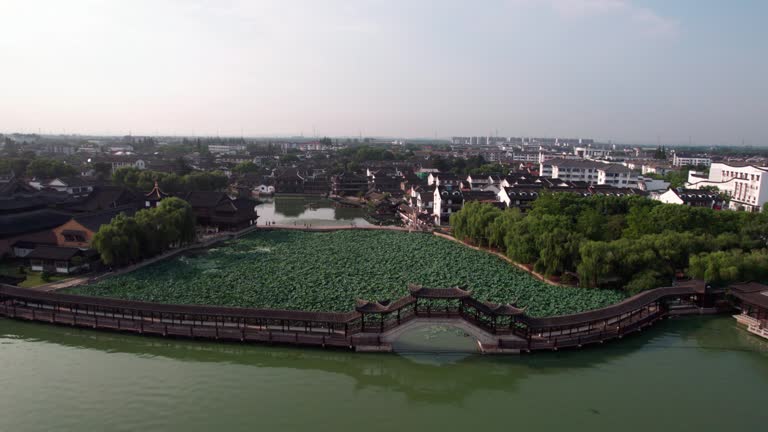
(118, 242)
(288, 158)
(125, 239)
(631, 243)
(501, 226)
(181, 167)
(102, 169)
(246, 167)
(723, 267)
(49, 168)
(597, 262)
(11, 148)
(181, 216)
(144, 180)
(18, 166)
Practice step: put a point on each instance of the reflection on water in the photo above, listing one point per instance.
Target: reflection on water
(59, 378)
(436, 345)
(308, 209)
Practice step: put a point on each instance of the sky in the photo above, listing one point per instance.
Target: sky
(633, 71)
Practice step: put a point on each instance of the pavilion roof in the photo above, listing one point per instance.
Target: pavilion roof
(156, 193)
(382, 306)
(751, 292)
(490, 308)
(364, 306)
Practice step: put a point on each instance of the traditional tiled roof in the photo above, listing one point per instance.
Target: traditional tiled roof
(204, 198)
(690, 196)
(482, 196)
(28, 222)
(104, 197)
(155, 194)
(55, 253)
(615, 168)
(751, 292)
(94, 221)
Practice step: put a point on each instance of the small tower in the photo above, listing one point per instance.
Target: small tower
(154, 196)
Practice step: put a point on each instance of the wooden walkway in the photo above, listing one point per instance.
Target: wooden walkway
(352, 330)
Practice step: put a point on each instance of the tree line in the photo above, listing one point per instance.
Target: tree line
(37, 167)
(130, 239)
(632, 243)
(144, 180)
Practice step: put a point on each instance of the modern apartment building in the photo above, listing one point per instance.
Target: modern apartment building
(588, 171)
(746, 185)
(679, 160)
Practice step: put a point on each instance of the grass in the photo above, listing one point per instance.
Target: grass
(32, 280)
(35, 279)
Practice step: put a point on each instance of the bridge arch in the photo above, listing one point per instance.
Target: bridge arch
(481, 336)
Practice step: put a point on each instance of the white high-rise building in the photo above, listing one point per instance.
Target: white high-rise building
(747, 185)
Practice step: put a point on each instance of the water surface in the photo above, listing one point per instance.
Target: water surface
(287, 210)
(700, 374)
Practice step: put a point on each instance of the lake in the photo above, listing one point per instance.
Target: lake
(698, 373)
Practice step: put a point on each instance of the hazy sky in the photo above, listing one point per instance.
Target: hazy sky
(627, 70)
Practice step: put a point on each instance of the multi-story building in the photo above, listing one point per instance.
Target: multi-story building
(572, 170)
(520, 156)
(226, 148)
(656, 168)
(444, 179)
(591, 152)
(118, 162)
(616, 175)
(446, 201)
(589, 172)
(651, 185)
(349, 183)
(746, 185)
(679, 160)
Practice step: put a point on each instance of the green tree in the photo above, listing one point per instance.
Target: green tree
(102, 169)
(49, 168)
(118, 242)
(246, 167)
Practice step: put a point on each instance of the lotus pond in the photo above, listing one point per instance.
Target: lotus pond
(327, 271)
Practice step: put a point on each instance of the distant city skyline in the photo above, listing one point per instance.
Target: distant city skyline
(633, 72)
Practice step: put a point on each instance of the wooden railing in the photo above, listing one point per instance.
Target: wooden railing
(348, 330)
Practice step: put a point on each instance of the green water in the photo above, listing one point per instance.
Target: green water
(287, 210)
(701, 374)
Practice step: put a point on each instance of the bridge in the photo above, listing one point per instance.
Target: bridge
(486, 342)
(372, 326)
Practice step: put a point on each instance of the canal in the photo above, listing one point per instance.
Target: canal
(700, 373)
(287, 210)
